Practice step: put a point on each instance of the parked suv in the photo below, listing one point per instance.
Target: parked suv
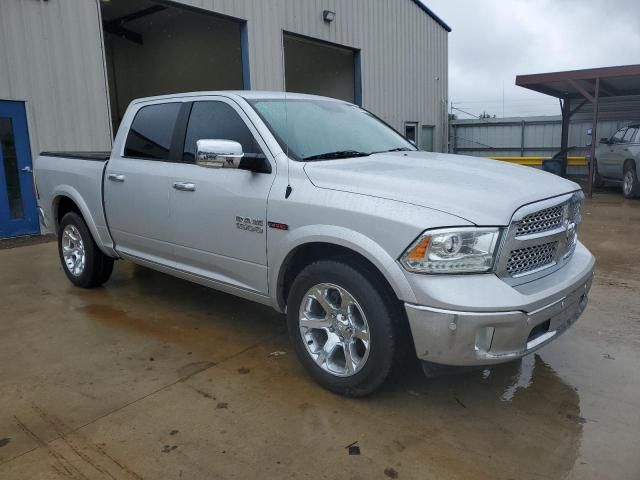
(618, 160)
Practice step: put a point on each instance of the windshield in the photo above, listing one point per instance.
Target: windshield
(311, 129)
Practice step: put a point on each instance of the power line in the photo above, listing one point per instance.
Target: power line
(464, 111)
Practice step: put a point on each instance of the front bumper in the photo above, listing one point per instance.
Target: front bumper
(463, 338)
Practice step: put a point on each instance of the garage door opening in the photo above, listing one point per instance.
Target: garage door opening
(157, 48)
(321, 68)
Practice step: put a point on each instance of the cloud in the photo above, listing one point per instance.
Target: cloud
(495, 40)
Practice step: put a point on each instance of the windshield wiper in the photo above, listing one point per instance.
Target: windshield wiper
(338, 154)
(400, 149)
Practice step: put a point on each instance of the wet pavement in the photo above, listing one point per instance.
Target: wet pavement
(152, 377)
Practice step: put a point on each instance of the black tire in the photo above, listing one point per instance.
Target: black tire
(97, 266)
(598, 182)
(383, 315)
(632, 188)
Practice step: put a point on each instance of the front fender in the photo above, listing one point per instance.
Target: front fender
(281, 248)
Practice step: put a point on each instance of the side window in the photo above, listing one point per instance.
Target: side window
(218, 121)
(617, 137)
(411, 131)
(628, 136)
(151, 132)
(637, 140)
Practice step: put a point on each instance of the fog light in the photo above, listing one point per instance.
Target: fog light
(484, 337)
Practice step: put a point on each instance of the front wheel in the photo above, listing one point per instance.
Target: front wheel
(82, 261)
(630, 183)
(343, 327)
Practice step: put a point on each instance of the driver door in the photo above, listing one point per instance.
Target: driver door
(622, 153)
(606, 157)
(219, 224)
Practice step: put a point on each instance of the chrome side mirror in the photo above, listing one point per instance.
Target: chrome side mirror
(218, 153)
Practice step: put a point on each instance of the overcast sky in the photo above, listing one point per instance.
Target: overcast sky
(494, 40)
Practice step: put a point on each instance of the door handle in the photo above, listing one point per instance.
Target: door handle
(27, 169)
(116, 178)
(185, 186)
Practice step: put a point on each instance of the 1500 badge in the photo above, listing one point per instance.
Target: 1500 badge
(250, 224)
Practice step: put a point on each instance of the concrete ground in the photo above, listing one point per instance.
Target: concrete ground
(152, 377)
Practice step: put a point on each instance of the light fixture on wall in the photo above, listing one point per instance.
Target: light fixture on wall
(328, 16)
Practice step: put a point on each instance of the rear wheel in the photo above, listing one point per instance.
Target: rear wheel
(630, 183)
(82, 261)
(342, 325)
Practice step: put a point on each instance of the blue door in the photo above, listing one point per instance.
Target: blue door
(18, 211)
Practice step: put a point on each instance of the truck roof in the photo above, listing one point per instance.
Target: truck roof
(246, 94)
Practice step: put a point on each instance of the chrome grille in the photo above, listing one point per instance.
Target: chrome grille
(527, 259)
(540, 239)
(541, 221)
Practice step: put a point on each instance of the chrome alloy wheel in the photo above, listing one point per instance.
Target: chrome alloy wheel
(627, 183)
(334, 330)
(73, 250)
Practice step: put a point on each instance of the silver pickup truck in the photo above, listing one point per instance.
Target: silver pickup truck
(319, 209)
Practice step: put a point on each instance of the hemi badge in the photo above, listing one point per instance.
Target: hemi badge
(278, 226)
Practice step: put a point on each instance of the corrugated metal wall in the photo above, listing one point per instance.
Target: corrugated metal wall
(404, 57)
(530, 136)
(51, 55)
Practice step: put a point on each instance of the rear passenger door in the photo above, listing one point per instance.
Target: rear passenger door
(209, 220)
(137, 185)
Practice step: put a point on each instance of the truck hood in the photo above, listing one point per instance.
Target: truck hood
(481, 191)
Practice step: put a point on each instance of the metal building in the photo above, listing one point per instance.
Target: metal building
(68, 68)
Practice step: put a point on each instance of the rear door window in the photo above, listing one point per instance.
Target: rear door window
(213, 120)
(151, 132)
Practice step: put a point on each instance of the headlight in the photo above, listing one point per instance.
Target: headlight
(575, 207)
(452, 250)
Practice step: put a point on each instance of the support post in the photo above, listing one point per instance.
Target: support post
(564, 136)
(244, 56)
(522, 127)
(454, 143)
(594, 137)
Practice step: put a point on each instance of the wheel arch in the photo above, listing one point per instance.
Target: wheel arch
(630, 161)
(63, 204)
(354, 246)
(67, 199)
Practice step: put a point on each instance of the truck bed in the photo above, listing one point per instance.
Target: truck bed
(78, 176)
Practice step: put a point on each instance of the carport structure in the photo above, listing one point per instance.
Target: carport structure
(582, 90)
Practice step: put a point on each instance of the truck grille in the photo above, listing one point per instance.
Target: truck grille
(525, 260)
(541, 221)
(540, 239)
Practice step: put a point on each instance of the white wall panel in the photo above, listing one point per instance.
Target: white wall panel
(51, 55)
